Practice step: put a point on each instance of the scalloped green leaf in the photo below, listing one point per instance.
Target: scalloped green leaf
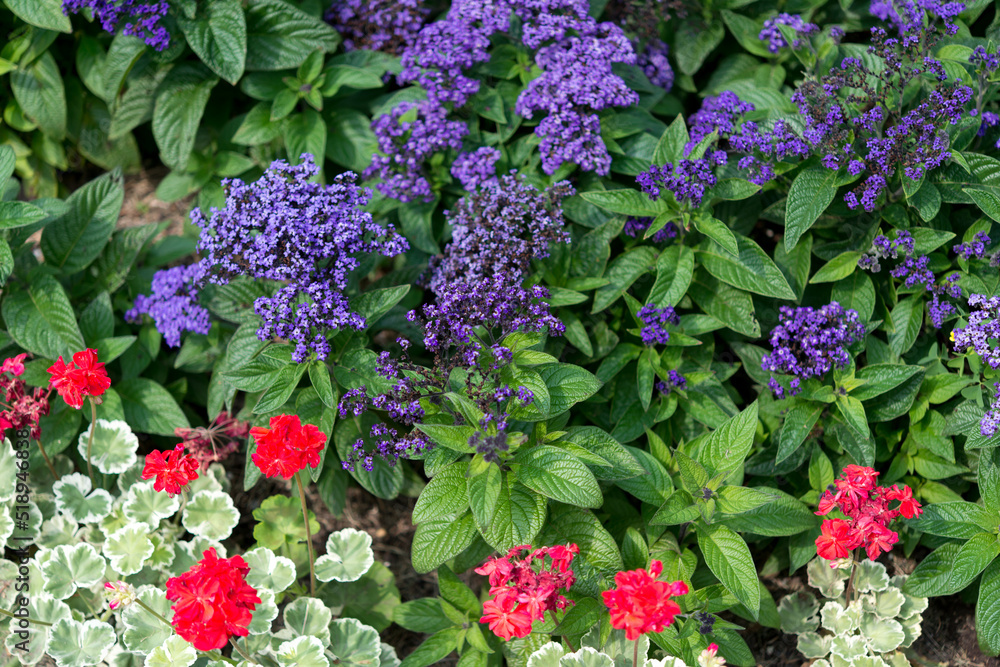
(348, 556)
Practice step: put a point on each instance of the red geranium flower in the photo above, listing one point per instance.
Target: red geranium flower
(172, 471)
(506, 617)
(908, 506)
(287, 447)
(212, 601)
(14, 365)
(86, 376)
(836, 540)
(640, 603)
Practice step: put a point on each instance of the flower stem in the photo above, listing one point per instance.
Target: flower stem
(635, 652)
(243, 655)
(850, 581)
(152, 611)
(309, 542)
(90, 440)
(4, 612)
(48, 462)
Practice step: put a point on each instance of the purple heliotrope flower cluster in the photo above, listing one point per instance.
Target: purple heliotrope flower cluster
(914, 272)
(173, 303)
(574, 52)
(911, 17)
(975, 249)
(982, 333)
(809, 342)
(476, 168)
(776, 41)
(636, 227)
(652, 60)
(138, 18)
(309, 236)
(990, 423)
(655, 319)
(498, 230)
(378, 25)
(674, 381)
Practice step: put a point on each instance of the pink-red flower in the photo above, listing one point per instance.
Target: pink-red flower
(641, 604)
(85, 376)
(19, 408)
(868, 513)
(215, 442)
(14, 365)
(172, 472)
(287, 446)
(212, 601)
(525, 584)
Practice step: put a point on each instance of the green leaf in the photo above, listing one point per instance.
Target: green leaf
(728, 445)
(811, 192)
(75, 239)
(41, 319)
(47, 14)
(599, 558)
(653, 486)
(618, 463)
(354, 643)
(907, 318)
(175, 652)
(718, 231)
(218, 35)
(670, 147)
(38, 89)
(308, 617)
(446, 496)
(568, 385)
(729, 559)
(128, 548)
(751, 270)
(674, 270)
(143, 631)
(15, 214)
(275, 573)
(280, 524)
(625, 202)
(621, 273)
(731, 306)
(517, 517)
(144, 504)
(959, 519)
(279, 36)
(373, 304)
(76, 500)
(70, 567)
(277, 394)
(989, 479)
(559, 475)
(75, 644)
(348, 556)
(971, 559)
(880, 378)
(180, 104)
(694, 41)
(837, 268)
(784, 515)
(857, 292)
(799, 422)
(302, 652)
(210, 514)
(853, 415)
(988, 610)
(305, 133)
(435, 542)
(149, 408)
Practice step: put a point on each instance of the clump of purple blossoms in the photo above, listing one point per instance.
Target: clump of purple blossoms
(674, 381)
(974, 249)
(688, 180)
(655, 320)
(908, 16)
(652, 60)
(982, 333)
(809, 342)
(137, 18)
(719, 114)
(309, 236)
(498, 230)
(378, 25)
(173, 303)
(476, 168)
(776, 41)
(636, 227)
(990, 422)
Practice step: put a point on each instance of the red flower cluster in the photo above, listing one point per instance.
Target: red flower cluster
(21, 409)
(84, 377)
(212, 601)
(215, 442)
(287, 447)
(172, 471)
(521, 593)
(640, 603)
(868, 515)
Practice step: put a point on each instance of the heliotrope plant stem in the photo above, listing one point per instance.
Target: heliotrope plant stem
(90, 440)
(213, 655)
(309, 542)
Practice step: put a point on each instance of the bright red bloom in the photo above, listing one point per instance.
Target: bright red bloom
(86, 376)
(506, 618)
(640, 603)
(172, 471)
(878, 538)
(21, 409)
(287, 447)
(836, 540)
(908, 506)
(515, 578)
(212, 601)
(14, 365)
(856, 481)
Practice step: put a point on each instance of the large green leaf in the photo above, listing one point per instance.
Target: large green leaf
(38, 89)
(218, 34)
(674, 270)
(41, 319)
(517, 517)
(47, 14)
(75, 239)
(557, 474)
(625, 201)
(149, 408)
(435, 542)
(751, 270)
(728, 445)
(568, 385)
(729, 559)
(180, 104)
(621, 273)
(988, 610)
(730, 306)
(280, 36)
(811, 192)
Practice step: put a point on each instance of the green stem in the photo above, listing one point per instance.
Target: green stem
(309, 542)
(635, 653)
(850, 581)
(90, 440)
(243, 655)
(4, 612)
(48, 462)
(153, 612)
(180, 510)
